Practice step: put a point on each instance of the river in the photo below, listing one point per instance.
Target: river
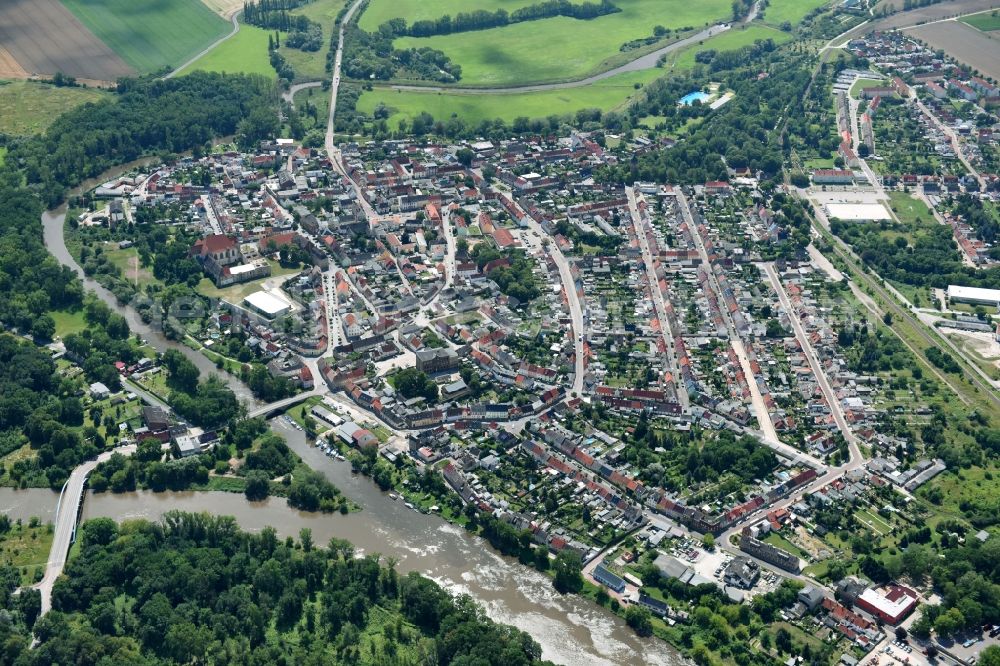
(570, 629)
(29, 503)
(53, 224)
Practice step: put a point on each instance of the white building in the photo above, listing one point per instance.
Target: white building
(974, 295)
(267, 304)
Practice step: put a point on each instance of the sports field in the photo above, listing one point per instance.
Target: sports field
(245, 52)
(984, 22)
(606, 95)
(563, 48)
(151, 34)
(793, 11)
(29, 107)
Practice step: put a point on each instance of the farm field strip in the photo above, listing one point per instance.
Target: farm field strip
(151, 34)
(964, 43)
(45, 38)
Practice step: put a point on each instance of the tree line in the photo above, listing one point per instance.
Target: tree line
(481, 19)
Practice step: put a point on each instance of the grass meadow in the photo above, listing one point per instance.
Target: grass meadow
(562, 48)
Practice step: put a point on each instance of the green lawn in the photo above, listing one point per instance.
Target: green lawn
(793, 11)
(611, 93)
(781, 542)
(246, 52)
(29, 107)
(68, 322)
(151, 34)
(909, 210)
(237, 292)
(380, 11)
(607, 94)
(861, 84)
(984, 22)
(563, 48)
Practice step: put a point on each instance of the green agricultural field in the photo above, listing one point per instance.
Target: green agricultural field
(29, 107)
(563, 48)
(727, 41)
(311, 66)
(984, 22)
(608, 94)
(245, 52)
(151, 34)
(793, 11)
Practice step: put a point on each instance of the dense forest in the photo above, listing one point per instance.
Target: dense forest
(196, 589)
(930, 259)
(148, 116)
(38, 407)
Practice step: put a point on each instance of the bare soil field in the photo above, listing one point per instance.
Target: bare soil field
(964, 43)
(9, 69)
(224, 7)
(922, 15)
(44, 38)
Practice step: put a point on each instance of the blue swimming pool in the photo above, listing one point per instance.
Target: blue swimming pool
(690, 98)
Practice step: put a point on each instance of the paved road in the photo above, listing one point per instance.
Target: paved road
(640, 225)
(65, 527)
(760, 409)
(236, 29)
(807, 349)
(952, 136)
(289, 95)
(573, 299)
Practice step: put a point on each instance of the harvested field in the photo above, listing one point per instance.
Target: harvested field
(964, 43)
(921, 15)
(43, 37)
(9, 68)
(224, 7)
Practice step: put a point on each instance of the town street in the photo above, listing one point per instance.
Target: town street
(760, 409)
(573, 299)
(810, 354)
(659, 307)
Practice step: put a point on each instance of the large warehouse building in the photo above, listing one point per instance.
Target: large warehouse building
(974, 295)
